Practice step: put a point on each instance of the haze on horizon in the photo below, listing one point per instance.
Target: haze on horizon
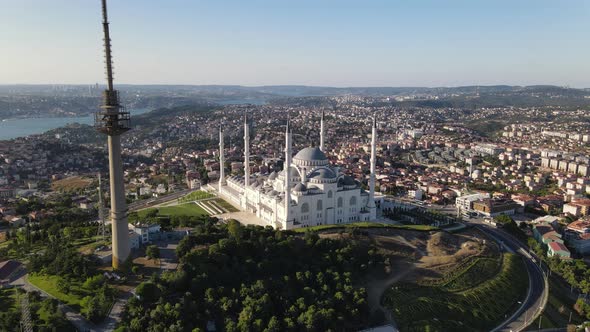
(321, 43)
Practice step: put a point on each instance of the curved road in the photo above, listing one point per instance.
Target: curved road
(538, 292)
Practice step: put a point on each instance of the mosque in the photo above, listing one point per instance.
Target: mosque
(307, 192)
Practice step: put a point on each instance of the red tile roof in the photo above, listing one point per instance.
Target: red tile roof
(556, 246)
(581, 226)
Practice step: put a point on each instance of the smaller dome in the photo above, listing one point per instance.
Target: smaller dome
(322, 173)
(346, 181)
(313, 189)
(300, 187)
(294, 172)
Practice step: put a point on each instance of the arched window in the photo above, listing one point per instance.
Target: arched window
(330, 194)
(304, 208)
(353, 201)
(320, 205)
(340, 202)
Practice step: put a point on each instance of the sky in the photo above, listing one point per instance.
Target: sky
(299, 42)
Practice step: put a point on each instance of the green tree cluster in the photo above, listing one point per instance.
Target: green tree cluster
(257, 279)
(96, 306)
(62, 260)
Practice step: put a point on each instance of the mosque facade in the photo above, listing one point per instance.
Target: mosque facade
(309, 191)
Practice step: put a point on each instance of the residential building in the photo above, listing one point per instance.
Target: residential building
(558, 249)
(494, 207)
(578, 207)
(465, 202)
(577, 235)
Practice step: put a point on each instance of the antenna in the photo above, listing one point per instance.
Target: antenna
(111, 120)
(107, 45)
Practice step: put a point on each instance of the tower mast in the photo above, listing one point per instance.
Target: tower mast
(113, 122)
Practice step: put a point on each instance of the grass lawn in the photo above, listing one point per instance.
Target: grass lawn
(558, 308)
(195, 196)
(366, 225)
(71, 184)
(477, 308)
(546, 323)
(478, 271)
(188, 209)
(89, 247)
(48, 283)
(225, 205)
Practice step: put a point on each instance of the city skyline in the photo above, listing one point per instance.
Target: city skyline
(330, 44)
(294, 166)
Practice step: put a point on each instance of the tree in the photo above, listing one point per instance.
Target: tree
(91, 307)
(63, 286)
(273, 325)
(94, 282)
(153, 252)
(67, 232)
(147, 292)
(152, 213)
(235, 229)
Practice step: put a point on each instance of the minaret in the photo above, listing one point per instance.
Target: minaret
(221, 159)
(288, 154)
(322, 132)
(246, 151)
(111, 120)
(371, 202)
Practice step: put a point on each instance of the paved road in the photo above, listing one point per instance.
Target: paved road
(111, 321)
(538, 292)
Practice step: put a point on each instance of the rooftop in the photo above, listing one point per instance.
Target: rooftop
(310, 156)
(581, 226)
(556, 246)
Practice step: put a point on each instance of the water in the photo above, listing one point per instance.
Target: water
(12, 128)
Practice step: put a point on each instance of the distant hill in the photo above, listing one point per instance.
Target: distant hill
(79, 100)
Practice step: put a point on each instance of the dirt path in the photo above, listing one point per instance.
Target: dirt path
(376, 288)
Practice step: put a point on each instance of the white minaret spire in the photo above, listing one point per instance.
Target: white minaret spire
(288, 154)
(322, 132)
(371, 202)
(221, 159)
(246, 151)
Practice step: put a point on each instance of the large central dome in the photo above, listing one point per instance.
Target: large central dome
(311, 156)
